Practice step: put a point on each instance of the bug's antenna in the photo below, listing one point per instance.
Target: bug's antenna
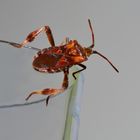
(106, 60)
(91, 33)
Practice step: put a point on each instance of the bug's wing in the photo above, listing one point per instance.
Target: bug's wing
(13, 44)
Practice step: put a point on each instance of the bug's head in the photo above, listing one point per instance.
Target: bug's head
(89, 51)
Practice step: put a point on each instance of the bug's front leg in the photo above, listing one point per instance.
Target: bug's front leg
(31, 36)
(83, 68)
(51, 91)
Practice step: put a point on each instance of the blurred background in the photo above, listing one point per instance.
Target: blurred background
(111, 101)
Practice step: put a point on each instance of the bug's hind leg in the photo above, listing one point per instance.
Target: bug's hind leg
(51, 91)
(31, 36)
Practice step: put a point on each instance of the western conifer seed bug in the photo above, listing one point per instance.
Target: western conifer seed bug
(59, 58)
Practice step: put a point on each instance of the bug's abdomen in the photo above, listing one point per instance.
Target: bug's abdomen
(50, 60)
(46, 63)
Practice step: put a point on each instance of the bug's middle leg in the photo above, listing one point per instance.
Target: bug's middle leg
(51, 91)
(31, 36)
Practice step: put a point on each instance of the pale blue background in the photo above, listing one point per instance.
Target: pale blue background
(111, 101)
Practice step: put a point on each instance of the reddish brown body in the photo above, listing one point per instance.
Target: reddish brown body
(58, 58)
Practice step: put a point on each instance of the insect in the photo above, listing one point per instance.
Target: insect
(59, 58)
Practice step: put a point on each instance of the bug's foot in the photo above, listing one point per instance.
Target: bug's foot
(48, 91)
(47, 100)
(30, 95)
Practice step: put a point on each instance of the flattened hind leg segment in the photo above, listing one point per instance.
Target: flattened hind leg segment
(51, 91)
(31, 36)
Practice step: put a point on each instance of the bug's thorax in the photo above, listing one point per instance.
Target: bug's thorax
(75, 49)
